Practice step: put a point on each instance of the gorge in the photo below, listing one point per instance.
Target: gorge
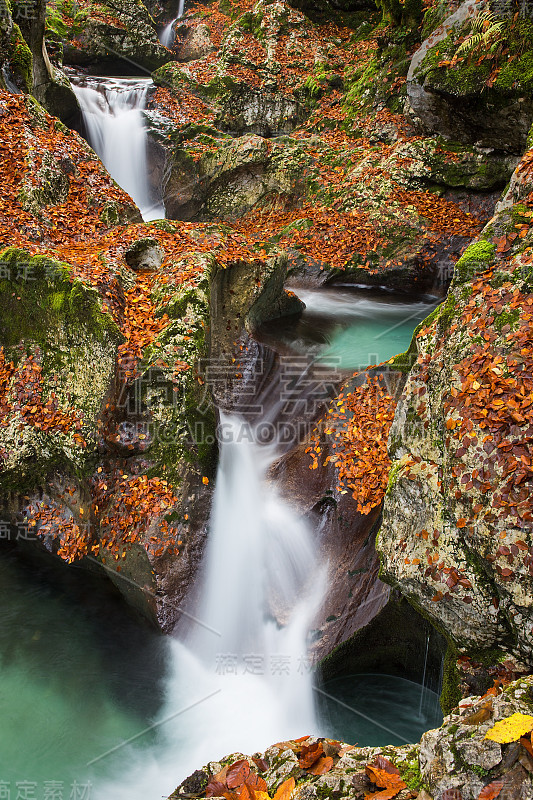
(265, 400)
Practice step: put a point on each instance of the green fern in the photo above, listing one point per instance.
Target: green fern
(485, 32)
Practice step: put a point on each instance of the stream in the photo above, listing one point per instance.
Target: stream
(96, 703)
(93, 700)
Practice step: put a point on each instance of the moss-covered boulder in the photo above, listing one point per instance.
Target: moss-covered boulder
(457, 518)
(58, 360)
(463, 86)
(231, 177)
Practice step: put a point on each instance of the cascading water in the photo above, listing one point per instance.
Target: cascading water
(240, 676)
(168, 34)
(112, 111)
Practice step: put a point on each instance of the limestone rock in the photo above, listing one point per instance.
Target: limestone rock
(124, 36)
(455, 101)
(193, 42)
(475, 585)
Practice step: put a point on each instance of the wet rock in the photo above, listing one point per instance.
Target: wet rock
(145, 254)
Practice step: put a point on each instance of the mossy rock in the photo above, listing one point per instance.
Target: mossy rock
(474, 100)
(58, 320)
(478, 257)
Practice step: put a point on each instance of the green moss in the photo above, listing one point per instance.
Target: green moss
(477, 258)
(507, 318)
(411, 775)
(39, 294)
(468, 76)
(393, 477)
(21, 60)
(487, 657)
(451, 692)
(372, 82)
(171, 76)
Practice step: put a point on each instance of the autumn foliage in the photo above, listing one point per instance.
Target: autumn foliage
(357, 427)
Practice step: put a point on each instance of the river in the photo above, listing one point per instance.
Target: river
(96, 704)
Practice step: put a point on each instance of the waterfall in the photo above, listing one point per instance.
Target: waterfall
(112, 111)
(423, 686)
(168, 34)
(239, 677)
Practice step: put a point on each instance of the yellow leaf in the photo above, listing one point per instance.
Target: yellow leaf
(510, 729)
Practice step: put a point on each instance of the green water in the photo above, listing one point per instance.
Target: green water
(350, 329)
(374, 710)
(77, 679)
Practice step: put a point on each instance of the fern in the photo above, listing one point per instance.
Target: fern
(486, 32)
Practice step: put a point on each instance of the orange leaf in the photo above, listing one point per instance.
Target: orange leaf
(320, 767)
(384, 794)
(385, 780)
(310, 754)
(491, 791)
(237, 774)
(383, 763)
(527, 744)
(256, 782)
(284, 792)
(246, 793)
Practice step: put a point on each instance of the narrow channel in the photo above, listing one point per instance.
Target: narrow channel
(133, 714)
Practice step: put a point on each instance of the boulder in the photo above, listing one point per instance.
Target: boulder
(122, 35)
(458, 505)
(457, 97)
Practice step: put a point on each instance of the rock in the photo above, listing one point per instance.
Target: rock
(430, 770)
(119, 36)
(145, 254)
(456, 102)
(230, 179)
(192, 43)
(265, 113)
(242, 297)
(74, 343)
(478, 594)
(48, 84)
(480, 754)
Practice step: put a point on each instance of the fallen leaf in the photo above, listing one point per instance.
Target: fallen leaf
(320, 767)
(310, 754)
(284, 792)
(510, 729)
(237, 774)
(491, 791)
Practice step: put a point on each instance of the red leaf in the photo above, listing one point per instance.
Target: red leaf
(215, 789)
(387, 766)
(310, 754)
(237, 774)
